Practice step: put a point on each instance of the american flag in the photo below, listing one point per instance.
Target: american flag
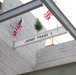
(48, 15)
(19, 26)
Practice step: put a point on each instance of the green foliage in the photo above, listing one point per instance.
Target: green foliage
(38, 26)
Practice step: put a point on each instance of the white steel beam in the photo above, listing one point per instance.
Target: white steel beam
(20, 10)
(60, 16)
(52, 33)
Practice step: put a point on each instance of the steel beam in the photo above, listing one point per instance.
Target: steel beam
(20, 10)
(42, 36)
(61, 17)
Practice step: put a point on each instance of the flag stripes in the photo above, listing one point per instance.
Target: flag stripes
(48, 15)
(19, 26)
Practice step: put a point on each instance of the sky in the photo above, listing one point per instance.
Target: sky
(67, 7)
(1, 0)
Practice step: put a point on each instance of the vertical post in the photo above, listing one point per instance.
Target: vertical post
(51, 40)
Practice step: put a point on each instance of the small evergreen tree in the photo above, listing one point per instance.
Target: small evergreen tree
(38, 26)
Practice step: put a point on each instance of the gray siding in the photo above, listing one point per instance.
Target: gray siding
(22, 59)
(56, 55)
(11, 62)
